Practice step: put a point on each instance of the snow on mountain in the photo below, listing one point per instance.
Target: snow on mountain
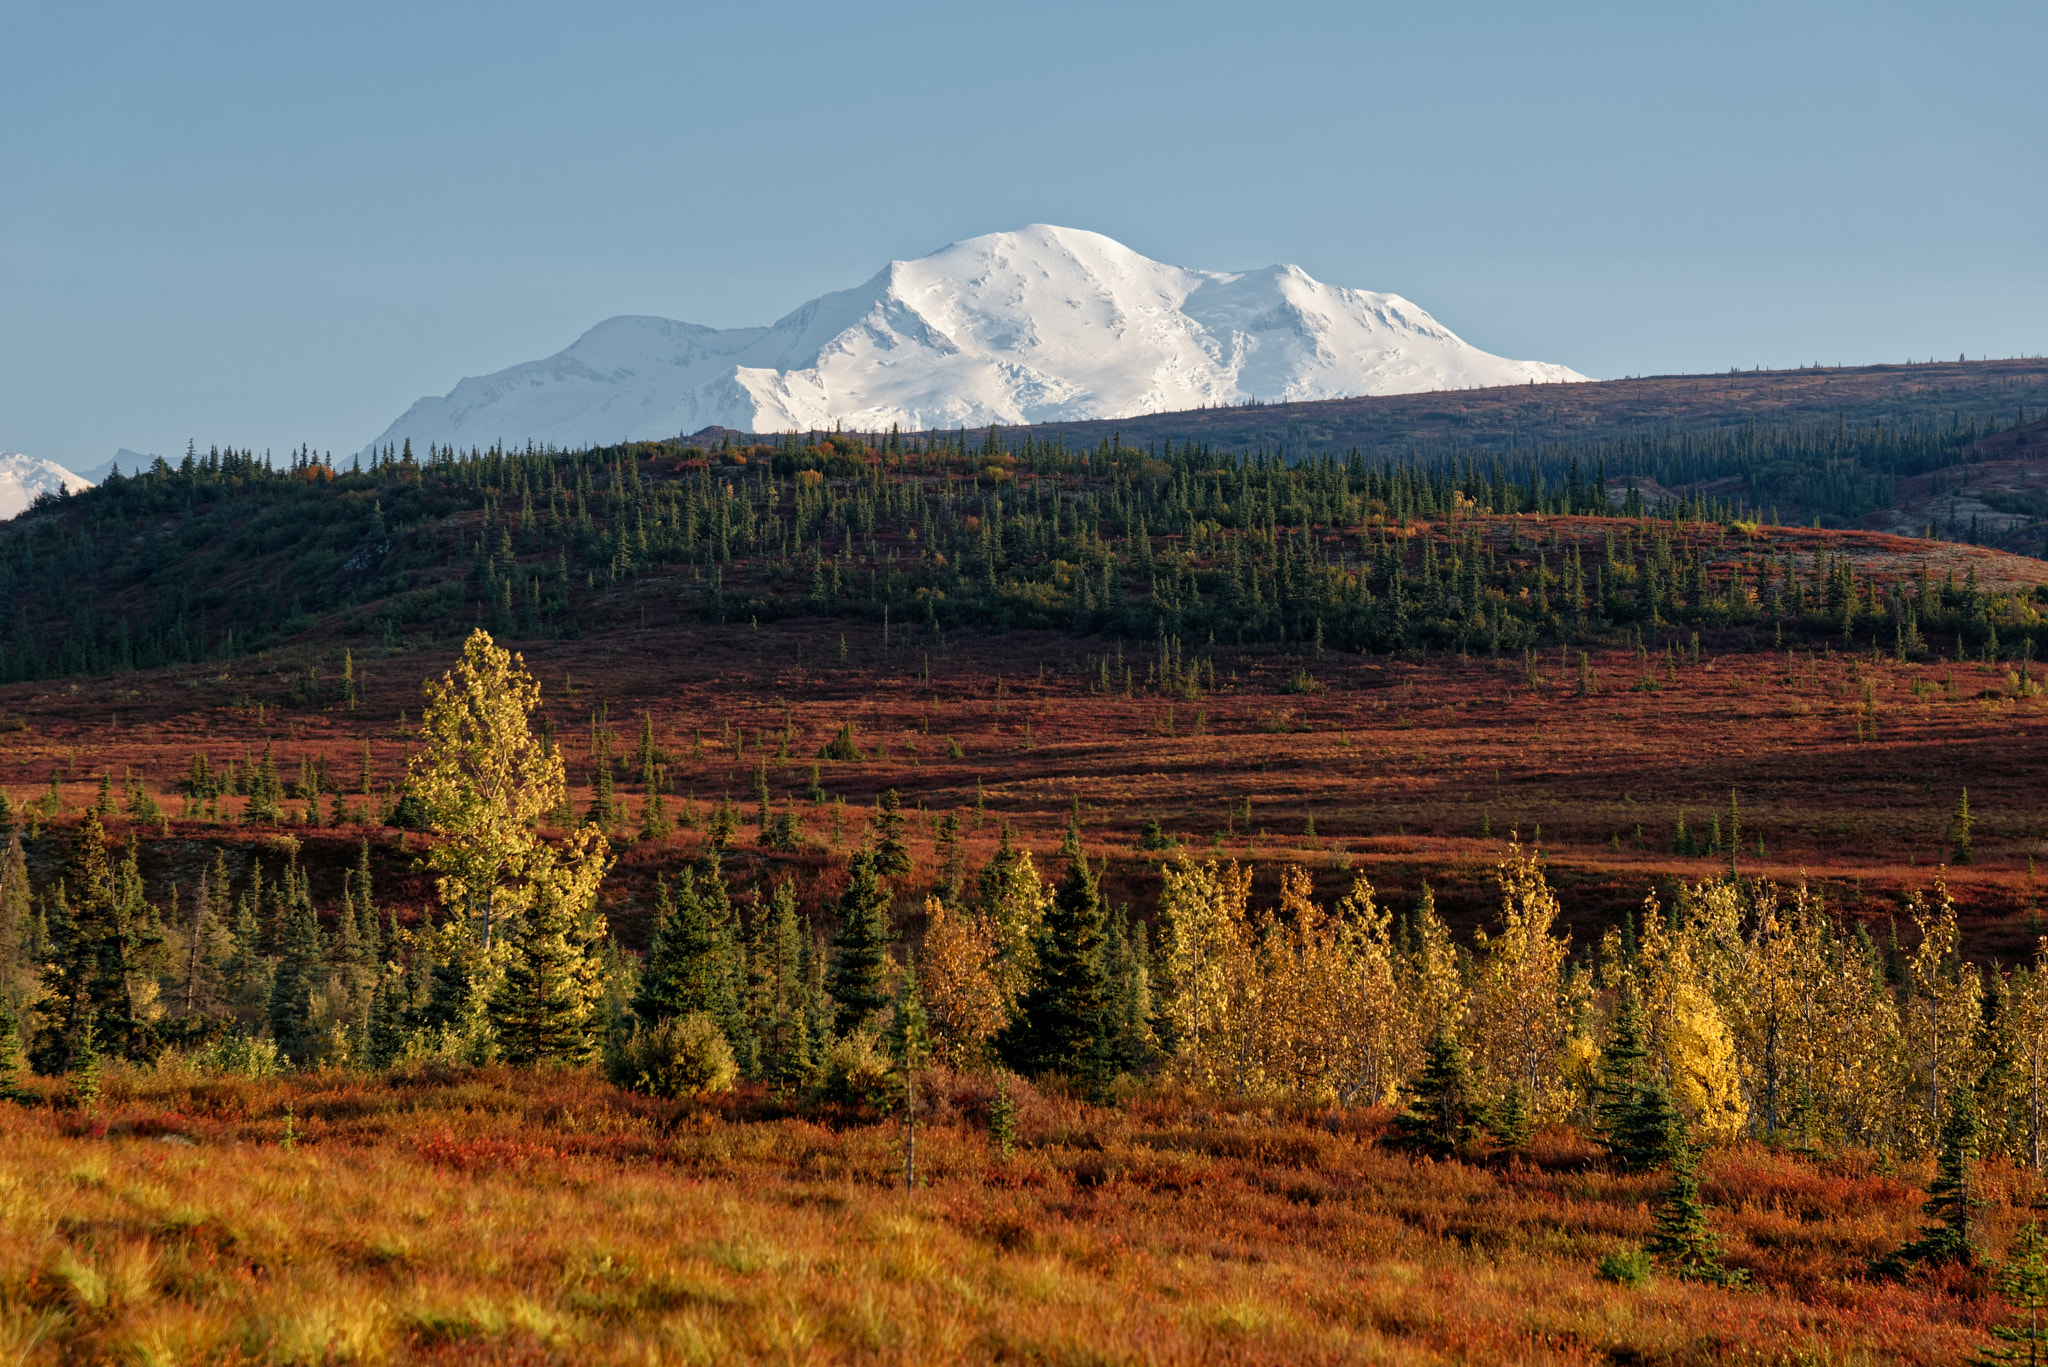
(22, 478)
(1042, 325)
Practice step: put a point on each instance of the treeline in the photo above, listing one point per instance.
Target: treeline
(1759, 1012)
(227, 554)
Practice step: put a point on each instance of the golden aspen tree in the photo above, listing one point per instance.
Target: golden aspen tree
(1374, 1036)
(1688, 1034)
(1204, 931)
(959, 980)
(1781, 960)
(1850, 1059)
(2030, 1025)
(1943, 998)
(1522, 1008)
(485, 780)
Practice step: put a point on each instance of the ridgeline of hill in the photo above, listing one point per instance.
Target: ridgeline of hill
(1515, 417)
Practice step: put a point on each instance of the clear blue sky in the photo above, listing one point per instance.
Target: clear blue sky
(266, 224)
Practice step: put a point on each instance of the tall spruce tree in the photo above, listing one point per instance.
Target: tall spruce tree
(689, 965)
(100, 937)
(946, 853)
(892, 857)
(775, 988)
(1132, 1046)
(18, 948)
(1060, 1025)
(859, 984)
(301, 973)
(1631, 1105)
(545, 1009)
(245, 971)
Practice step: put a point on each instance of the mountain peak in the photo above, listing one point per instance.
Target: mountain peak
(23, 479)
(1040, 324)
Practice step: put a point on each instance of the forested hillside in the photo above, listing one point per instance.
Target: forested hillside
(225, 553)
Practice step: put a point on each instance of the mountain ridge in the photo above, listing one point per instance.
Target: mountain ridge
(1045, 324)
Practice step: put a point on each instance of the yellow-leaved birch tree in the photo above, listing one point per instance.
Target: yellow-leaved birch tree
(484, 781)
(1522, 1004)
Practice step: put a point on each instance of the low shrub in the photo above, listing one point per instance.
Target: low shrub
(686, 1056)
(859, 1073)
(1627, 1267)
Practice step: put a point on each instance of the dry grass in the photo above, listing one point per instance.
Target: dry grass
(500, 1217)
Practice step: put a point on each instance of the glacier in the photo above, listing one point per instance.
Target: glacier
(1042, 325)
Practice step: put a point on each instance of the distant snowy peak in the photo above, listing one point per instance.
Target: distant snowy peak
(1041, 325)
(24, 478)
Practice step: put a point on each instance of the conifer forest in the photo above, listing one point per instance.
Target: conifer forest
(1035, 896)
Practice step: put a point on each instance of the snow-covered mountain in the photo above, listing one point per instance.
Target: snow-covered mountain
(1042, 325)
(24, 477)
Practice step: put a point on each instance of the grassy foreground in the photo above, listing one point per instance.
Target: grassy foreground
(498, 1216)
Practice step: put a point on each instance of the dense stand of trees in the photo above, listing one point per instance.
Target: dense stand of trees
(224, 553)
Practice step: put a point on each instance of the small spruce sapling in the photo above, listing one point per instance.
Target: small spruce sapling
(1684, 1242)
(1959, 824)
(910, 1040)
(2023, 1337)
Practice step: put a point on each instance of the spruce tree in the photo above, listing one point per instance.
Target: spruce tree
(910, 1042)
(84, 1067)
(1128, 1022)
(1685, 1244)
(2023, 1337)
(99, 938)
(545, 1008)
(946, 852)
(1952, 1199)
(1508, 1123)
(654, 819)
(300, 976)
(266, 792)
(1624, 1063)
(204, 952)
(775, 995)
(1060, 1025)
(689, 962)
(1959, 823)
(245, 972)
(461, 976)
(1652, 1130)
(644, 757)
(892, 858)
(18, 950)
(860, 952)
(1631, 1105)
(604, 807)
(389, 1030)
(1441, 1116)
